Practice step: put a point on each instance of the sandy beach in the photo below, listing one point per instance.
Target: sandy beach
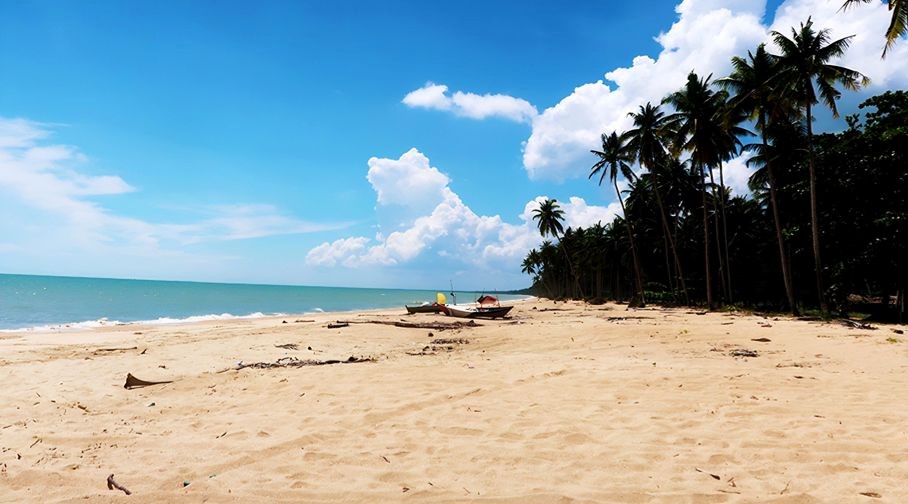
(564, 402)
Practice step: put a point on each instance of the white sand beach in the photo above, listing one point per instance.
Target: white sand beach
(562, 403)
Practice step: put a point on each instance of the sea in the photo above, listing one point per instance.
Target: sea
(32, 302)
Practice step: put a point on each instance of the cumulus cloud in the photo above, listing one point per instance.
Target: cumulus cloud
(36, 176)
(867, 23)
(705, 36)
(451, 229)
(736, 173)
(471, 105)
(338, 251)
(408, 181)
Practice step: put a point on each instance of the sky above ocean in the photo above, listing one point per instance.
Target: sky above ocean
(368, 144)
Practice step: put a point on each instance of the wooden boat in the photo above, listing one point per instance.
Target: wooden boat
(425, 308)
(467, 311)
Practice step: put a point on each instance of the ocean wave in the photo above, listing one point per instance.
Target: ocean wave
(69, 326)
(105, 322)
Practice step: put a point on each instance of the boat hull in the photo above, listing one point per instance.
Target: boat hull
(489, 312)
(433, 308)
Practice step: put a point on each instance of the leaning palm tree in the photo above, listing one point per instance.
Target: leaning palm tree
(752, 82)
(898, 25)
(617, 156)
(647, 141)
(699, 132)
(804, 60)
(549, 217)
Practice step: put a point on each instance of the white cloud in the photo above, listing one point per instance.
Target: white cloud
(435, 96)
(450, 230)
(736, 173)
(430, 96)
(704, 38)
(867, 23)
(42, 182)
(706, 35)
(329, 254)
(408, 181)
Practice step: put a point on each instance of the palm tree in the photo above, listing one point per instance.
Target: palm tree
(699, 132)
(646, 141)
(616, 156)
(898, 25)
(751, 81)
(549, 217)
(804, 60)
(730, 132)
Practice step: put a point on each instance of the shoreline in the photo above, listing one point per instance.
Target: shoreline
(562, 402)
(104, 323)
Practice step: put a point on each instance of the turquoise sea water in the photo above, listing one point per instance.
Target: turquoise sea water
(28, 301)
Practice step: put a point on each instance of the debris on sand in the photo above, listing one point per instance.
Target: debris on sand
(743, 352)
(855, 324)
(438, 326)
(293, 362)
(133, 382)
(111, 484)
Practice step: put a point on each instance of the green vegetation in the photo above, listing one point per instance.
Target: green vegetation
(685, 239)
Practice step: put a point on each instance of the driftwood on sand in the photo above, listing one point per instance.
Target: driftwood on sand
(122, 349)
(855, 324)
(111, 484)
(133, 382)
(293, 362)
(438, 326)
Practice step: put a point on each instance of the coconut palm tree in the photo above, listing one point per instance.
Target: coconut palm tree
(549, 217)
(729, 145)
(617, 156)
(647, 141)
(804, 61)
(752, 82)
(699, 132)
(898, 25)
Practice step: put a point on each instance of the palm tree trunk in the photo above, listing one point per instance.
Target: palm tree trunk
(671, 241)
(722, 283)
(709, 280)
(668, 266)
(814, 218)
(725, 233)
(638, 274)
(774, 201)
(570, 263)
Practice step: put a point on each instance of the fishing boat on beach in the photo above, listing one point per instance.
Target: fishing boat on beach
(486, 307)
(470, 311)
(427, 307)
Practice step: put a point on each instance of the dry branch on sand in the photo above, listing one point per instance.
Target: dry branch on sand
(293, 362)
(438, 326)
(111, 484)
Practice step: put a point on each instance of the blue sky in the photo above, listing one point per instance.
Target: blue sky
(231, 141)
